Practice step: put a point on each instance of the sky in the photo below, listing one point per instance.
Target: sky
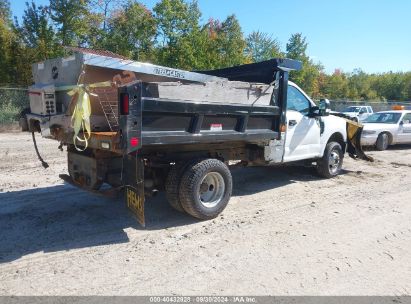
(373, 35)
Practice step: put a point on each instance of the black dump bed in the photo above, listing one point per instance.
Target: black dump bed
(136, 104)
(146, 120)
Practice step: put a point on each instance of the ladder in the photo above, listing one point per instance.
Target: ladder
(109, 104)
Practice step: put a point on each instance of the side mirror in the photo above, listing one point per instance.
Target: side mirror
(324, 107)
(314, 111)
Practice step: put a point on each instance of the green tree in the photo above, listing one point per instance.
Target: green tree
(308, 77)
(8, 41)
(407, 81)
(192, 51)
(71, 17)
(391, 86)
(231, 43)
(176, 18)
(296, 47)
(261, 46)
(100, 14)
(336, 86)
(178, 31)
(359, 86)
(37, 33)
(215, 45)
(131, 32)
(5, 12)
(105, 8)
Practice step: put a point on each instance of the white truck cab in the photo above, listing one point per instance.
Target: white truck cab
(310, 134)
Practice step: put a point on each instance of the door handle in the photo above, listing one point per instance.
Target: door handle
(292, 122)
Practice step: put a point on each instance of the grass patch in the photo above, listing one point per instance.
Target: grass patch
(9, 113)
(12, 102)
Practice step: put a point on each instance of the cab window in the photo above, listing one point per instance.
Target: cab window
(297, 101)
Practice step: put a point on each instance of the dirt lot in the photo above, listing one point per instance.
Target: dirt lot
(284, 232)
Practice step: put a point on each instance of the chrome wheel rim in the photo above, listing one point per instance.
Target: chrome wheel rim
(211, 190)
(334, 161)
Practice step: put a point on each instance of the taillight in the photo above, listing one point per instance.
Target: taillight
(134, 142)
(124, 104)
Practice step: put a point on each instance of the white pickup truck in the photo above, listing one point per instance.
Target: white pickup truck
(358, 113)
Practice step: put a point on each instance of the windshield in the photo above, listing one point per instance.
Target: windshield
(389, 118)
(352, 109)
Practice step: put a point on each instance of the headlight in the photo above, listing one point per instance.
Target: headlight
(368, 132)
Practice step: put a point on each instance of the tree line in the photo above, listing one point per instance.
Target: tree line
(171, 34)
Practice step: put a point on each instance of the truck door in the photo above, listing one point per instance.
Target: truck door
(302, 139)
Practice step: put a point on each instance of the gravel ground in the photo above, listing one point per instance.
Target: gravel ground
(284, 232)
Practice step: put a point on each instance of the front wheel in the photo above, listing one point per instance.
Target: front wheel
(331, 163)
(205, 188)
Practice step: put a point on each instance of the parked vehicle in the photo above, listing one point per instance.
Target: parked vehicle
(175, 130)
(358, 113)
(386, 128)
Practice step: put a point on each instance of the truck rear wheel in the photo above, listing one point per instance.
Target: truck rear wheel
(172, 185)
(205, 188)
(331, 163)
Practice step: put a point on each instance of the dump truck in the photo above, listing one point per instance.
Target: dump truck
(142, 128)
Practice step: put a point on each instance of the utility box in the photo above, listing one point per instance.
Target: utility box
(43, 101)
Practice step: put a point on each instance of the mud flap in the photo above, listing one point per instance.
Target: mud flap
(354, 148)
(133, 179)
(130, 126)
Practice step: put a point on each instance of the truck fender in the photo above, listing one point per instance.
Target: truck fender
(337, 137)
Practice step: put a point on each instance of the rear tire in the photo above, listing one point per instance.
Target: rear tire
(331, 163)
(383, 141)
(205, 188)
(172, 185)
